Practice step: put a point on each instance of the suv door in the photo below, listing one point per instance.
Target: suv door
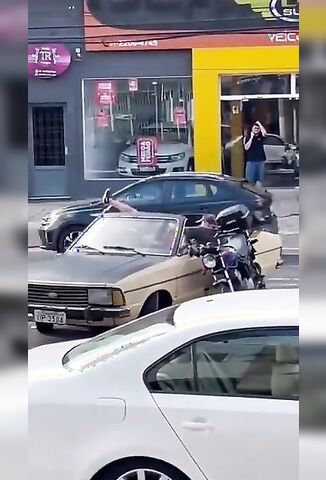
(232, 400)
(185, 196)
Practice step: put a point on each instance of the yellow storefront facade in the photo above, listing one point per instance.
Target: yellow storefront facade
(210, 67)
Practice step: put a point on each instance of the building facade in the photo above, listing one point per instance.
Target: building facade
(111, 101)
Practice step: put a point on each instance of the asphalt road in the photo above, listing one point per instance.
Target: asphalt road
(286, 277)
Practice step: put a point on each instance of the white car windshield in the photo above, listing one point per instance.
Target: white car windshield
(123, 234)
(120, 340)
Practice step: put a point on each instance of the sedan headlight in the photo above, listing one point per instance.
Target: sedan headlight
(209, 261)
(178, 157)
(112, 297)
(100, 296)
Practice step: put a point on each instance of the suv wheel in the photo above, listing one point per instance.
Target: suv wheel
(68, 236)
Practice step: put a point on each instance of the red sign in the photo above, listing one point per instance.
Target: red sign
(102, 119)
(133, 85)
(106, 93)
(180, 116)
(147, 152)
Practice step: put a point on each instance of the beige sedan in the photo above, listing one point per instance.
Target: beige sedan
(123, 266)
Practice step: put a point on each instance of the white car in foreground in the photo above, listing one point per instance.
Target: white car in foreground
(204, 391)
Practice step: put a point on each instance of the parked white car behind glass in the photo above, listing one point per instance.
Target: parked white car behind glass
(175, 152)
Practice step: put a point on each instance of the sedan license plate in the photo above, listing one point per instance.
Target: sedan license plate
(45, 316)
(147, 169)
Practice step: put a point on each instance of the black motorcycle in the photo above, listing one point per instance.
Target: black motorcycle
(231, 255)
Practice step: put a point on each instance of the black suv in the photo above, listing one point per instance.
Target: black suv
(178, 193)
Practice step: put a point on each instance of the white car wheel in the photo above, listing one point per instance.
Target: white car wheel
(145, 474)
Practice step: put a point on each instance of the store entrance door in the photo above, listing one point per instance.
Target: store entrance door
(48, 152)
(280, 118)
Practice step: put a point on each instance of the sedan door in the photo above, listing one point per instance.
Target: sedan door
(232, 400)
(192, 280)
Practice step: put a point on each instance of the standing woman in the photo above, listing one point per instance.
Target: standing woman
(255, 154)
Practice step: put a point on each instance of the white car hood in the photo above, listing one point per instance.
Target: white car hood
(164, 149)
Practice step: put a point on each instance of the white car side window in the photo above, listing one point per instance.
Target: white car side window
(249, 365)
(261, 363)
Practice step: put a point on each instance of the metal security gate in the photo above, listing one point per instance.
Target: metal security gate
(48, 152)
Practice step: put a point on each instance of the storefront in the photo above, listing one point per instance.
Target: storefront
(132, 102)
(233, 88)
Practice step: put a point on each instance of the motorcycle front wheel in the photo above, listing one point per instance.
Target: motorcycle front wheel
(222, 288)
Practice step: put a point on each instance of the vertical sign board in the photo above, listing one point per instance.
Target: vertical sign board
(133, 85)
(147, 153)
(106, 93)
(180, 116)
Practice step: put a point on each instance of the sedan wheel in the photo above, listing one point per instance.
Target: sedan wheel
(145, 474)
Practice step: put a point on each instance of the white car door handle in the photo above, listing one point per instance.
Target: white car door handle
(198, 426)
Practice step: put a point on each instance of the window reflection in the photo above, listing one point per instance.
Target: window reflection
(117, 113)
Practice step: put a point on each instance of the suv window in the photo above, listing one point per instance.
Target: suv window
(259, 363)
(147, 192)
(189, 191)
(221, 192)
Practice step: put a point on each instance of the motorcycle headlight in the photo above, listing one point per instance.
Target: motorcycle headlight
(178, 157)
(209, 261)
(100, 296)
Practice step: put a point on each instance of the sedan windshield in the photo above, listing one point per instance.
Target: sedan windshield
(120, 340)
(129, 235)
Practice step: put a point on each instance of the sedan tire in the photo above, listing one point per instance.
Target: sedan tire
(44, 327)
(145, 470)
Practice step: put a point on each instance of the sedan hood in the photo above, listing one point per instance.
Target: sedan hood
(89, 268)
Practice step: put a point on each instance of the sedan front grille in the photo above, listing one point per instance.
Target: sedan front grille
(57, 295)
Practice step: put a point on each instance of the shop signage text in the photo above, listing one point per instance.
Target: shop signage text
(284, 37)
(106, 93)
(285, 10)
(48, 61)
(147, 152)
